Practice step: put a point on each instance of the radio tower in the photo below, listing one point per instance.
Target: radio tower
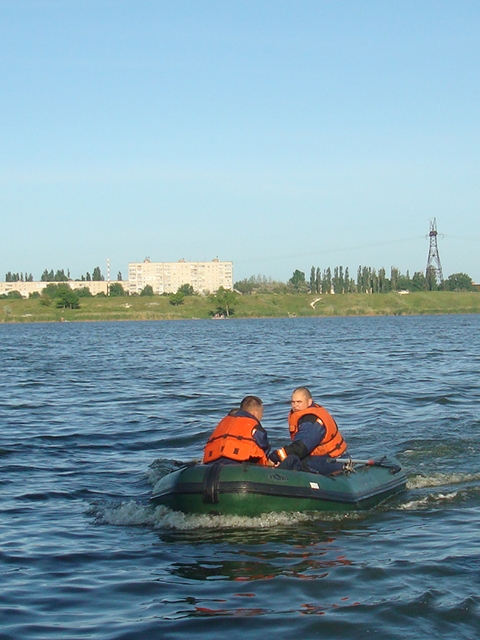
(433, 262)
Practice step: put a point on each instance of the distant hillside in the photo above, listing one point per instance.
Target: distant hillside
(247, 306)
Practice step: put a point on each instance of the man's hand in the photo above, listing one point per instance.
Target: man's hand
(278, 456)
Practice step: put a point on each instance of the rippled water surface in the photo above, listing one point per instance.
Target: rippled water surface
(91, 414)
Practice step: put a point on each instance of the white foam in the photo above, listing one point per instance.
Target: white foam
(129, 513)
(428, 501)
(441, 479)
(132, 513)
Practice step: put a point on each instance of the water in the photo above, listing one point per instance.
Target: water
(91, 414)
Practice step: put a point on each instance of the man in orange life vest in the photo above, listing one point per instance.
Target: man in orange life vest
(240, 437)
(316, 440)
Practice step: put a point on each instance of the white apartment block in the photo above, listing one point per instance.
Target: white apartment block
(168, 277)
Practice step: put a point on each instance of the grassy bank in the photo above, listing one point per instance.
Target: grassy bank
(257, 306)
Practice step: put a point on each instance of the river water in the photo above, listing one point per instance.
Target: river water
(92, 413)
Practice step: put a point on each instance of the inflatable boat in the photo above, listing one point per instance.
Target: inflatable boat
(250, 490)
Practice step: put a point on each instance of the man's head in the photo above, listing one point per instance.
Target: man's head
(301, 399)
(253, 405)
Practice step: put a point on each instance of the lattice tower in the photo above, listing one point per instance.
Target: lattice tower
(433, 262)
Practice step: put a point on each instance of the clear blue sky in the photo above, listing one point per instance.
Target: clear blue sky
(277, 134)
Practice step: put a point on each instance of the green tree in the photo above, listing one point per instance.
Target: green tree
(335, 281)
(119, 276)
(318, 281)
(67, 299)
(97, 275)
(63, 295)
(404, 282)
(382, 281)
(51, 290)
(47, 276)
(327, 281)
(338, 280)
(431, 279)
(244, 286)
(367, 279)
(359, 280)
(225, 301)
(116, 289)
(15, 277)
(261, 284)
(459, 282)
(186, 290)
(373, 281)
(312, 280)
(84, 292)
(16, 295)
(349, 282)
(177, 299)
(418, 281)
(147, 290)
(60, 276)
(298, 282)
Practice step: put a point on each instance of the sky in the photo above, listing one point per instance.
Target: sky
(276, 134)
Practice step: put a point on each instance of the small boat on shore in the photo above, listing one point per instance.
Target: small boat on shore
(250, 490)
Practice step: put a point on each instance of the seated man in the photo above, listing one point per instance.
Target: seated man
(239, 437)
(316, 440)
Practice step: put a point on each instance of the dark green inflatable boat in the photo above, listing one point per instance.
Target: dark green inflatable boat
(250, 490)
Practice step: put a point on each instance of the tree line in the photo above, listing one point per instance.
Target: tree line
(366, 280)
(329, 281)
(61, 276)
(64, 297)
(18, 277)
(50, 275)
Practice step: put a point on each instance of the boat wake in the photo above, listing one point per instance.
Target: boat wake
(441, 480)
(455, 489)
(133, 513)
(427, 502)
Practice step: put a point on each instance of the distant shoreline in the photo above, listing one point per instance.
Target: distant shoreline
(140, 308)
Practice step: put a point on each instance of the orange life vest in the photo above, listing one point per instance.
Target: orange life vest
(233, 438)
(333, 444)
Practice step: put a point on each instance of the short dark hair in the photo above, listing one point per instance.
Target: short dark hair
(251, 402)
(303, 390)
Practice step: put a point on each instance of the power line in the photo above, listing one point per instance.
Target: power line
(329, 251)
(463, 239)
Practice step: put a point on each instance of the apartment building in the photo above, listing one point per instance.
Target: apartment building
(168, 277)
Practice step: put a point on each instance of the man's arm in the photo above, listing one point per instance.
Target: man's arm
(261, 438)
(310, 432)
(309, 435)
